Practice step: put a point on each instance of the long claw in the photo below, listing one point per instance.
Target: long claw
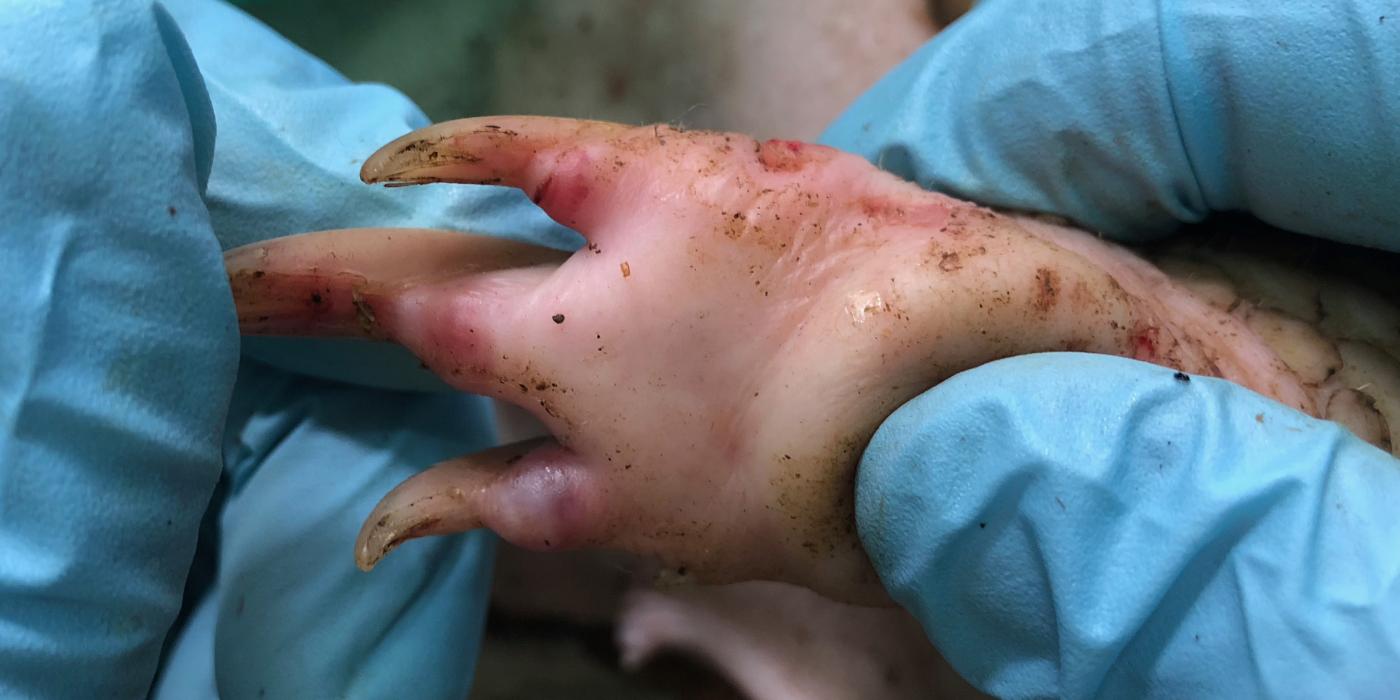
(535, 494)
(447, 297)
(336, 283)
(479, 150)
(568, 167)
(587, 175)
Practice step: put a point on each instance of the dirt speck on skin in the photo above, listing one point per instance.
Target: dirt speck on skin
(735, 226)
(816, 496)
(949, 262)
(1046, 289)
(1077, 345)
(1083, 299)
(626, 269)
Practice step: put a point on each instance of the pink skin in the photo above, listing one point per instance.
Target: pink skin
(711, 365)
(775, 641)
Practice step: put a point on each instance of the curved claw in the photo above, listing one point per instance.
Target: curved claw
(449, 298)
(479, 150)
(443, 499)
(535, 494)
(587, 175)
(337, 283)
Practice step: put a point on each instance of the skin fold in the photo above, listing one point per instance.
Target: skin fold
(710, 366)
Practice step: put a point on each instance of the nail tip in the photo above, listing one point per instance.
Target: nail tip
(384, 164)
(366, 560)
(367, 553)
(371, 173)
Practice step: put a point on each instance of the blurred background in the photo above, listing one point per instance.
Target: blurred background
(769, 68)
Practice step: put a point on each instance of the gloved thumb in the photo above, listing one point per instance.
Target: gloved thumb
(1140, 533)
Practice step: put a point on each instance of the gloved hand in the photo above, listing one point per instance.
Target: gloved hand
(120, 372)
(1074, 526)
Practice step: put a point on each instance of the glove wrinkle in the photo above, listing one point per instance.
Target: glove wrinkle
(198, 107)
(122, 344)
(1193, 195)
(1134, 117)
(310, 451)
(1136, 536)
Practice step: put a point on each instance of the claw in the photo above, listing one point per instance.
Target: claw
(342, 282)
(482, 151)
(535, 494)
(446, 297)
(583, 174)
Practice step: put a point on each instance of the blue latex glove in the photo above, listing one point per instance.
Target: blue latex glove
(120, 345)
(1136, 535)
(290, 615)
(116, 197)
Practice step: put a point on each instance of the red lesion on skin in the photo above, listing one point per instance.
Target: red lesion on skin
(788, 156)
(1144, 342)
(792, 146)
(564, 192)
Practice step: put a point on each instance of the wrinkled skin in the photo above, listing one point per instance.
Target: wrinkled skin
(711, 365)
